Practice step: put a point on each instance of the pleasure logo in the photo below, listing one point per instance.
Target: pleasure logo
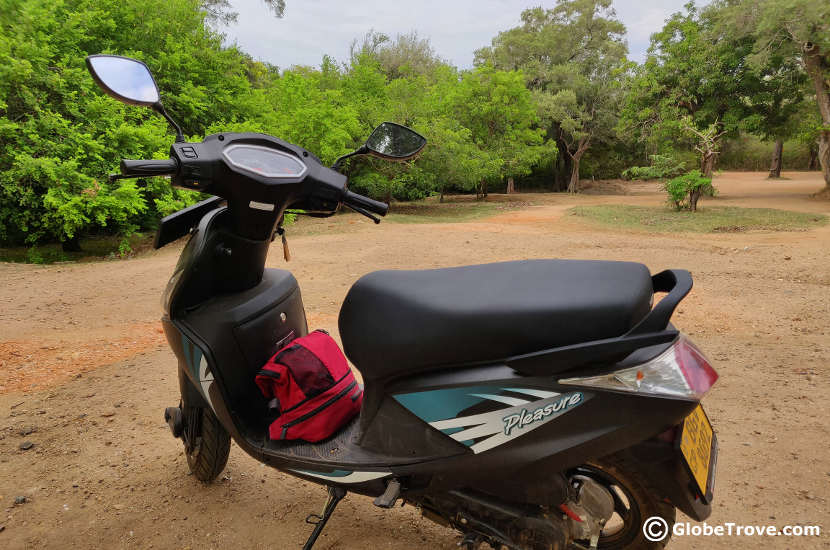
(526, 417)
(484, 431)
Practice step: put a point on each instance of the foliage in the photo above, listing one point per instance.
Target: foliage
(60, 136)
(407, 55)
(572, 57)
(547, 97)
(790, 30)
(693, 83)
(683, 191)
(662, 167)
(500, 113)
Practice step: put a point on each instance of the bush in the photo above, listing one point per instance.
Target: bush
(684, 191)
(408, 184)
(662, 167)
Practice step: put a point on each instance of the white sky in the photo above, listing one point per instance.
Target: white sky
(456, 28)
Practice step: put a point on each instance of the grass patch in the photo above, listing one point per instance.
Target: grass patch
(454, 210)
(725, 219)
(92, 249)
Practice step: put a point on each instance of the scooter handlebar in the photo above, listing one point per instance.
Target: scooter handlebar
(136, 168)
(359, 201)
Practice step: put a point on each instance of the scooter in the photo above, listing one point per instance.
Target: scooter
(543, 404)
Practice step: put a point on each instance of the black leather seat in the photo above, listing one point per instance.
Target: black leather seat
(397, 322)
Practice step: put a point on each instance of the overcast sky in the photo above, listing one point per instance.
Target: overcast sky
(456, 28)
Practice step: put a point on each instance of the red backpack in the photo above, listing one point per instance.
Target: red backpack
(311, 387)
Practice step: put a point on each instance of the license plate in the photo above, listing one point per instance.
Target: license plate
(698, 447)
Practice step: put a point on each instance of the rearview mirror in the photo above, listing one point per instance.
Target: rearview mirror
(127, 80)
(395, 142)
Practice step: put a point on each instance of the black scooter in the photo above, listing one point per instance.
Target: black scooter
(529, 405)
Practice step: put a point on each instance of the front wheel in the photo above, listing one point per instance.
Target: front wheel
(635, 503)
(207, 444)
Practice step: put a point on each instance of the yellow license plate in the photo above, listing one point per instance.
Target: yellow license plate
(696, 446)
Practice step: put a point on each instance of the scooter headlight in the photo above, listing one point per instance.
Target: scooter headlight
(680, 371)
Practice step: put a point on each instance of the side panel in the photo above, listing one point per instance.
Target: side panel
(515, 431)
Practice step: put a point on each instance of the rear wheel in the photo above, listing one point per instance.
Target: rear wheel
(635, 503)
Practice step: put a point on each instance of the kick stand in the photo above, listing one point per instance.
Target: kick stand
(336, 494)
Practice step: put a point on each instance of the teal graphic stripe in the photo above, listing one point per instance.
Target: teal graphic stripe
(434, 405)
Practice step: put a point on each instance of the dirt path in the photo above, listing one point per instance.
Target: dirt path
(85, 374)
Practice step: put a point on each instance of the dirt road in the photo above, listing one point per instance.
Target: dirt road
(85, 375)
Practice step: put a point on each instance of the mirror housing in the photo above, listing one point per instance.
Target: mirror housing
(389, 141)
(129, 81)
(393, 141)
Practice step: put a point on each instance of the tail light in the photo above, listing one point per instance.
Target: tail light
(680, 371)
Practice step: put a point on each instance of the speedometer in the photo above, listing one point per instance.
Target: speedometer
(264, 161)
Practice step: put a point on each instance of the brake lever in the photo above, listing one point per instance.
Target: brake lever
(362, 211)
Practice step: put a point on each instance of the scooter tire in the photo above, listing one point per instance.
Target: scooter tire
(210, 454)
(644, 505)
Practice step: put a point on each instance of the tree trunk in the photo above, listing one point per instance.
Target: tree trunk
(707, 163)
(441, 197)
(816, 69)
(694, 196)
(812, 164)
(824, 157)
(72, 244)
(562, 168)
(777, 159)
(573, 183)
(511, 186)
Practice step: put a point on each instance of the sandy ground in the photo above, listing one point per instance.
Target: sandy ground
(85, 375)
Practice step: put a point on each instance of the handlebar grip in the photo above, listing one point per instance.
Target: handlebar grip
(376, 207)
(149, 167)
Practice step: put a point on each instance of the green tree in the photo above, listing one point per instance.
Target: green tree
(572, 57)
(791, 28)
(693, 86)
(774, 106)
(453, 160)
(408, 54)
(501, 116)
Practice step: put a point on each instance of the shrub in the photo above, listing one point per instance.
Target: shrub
(662, 167)
(684, 191)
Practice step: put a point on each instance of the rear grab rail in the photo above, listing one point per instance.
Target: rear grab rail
(678, 283)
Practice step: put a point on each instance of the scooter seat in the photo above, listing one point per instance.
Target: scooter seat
(399, 322)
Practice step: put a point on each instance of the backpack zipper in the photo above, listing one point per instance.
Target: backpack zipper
(322, 407)
(269, 373)
(304, 401)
